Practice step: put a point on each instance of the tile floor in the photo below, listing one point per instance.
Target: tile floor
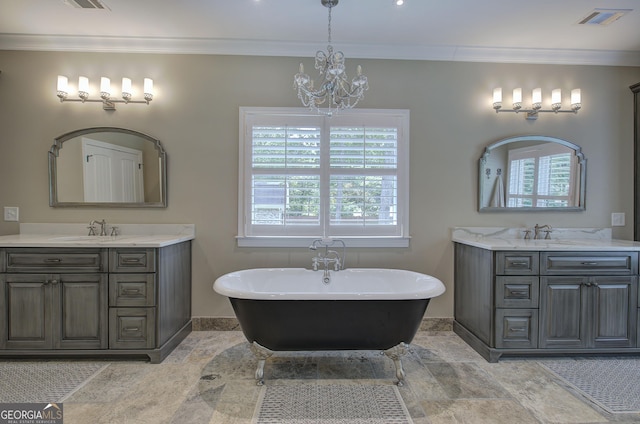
(209, 379)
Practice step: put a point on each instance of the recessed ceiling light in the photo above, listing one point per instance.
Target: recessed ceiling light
(603, 16)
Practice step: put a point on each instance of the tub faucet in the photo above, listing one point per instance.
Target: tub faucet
(536, 231)
(328, 256)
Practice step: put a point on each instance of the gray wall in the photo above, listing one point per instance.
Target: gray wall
(195, 115)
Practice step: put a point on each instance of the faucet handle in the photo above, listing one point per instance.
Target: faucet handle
(527, 234)
(92, 230)
(547, 234)
(115, 231)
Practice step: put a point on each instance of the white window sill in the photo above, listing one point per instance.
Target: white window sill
(305, 242)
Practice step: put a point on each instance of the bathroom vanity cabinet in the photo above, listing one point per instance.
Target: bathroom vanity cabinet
(100, 302)
(546, 302)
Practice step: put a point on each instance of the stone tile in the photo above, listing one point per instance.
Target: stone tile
(477, 411)
(538, 391)
(465, 380)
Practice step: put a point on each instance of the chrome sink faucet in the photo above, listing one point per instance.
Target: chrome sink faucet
(536, 231)
(103, 227)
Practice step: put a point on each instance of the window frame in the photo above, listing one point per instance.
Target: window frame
(250, 116)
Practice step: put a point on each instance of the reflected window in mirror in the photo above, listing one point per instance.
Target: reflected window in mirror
(541, 176)
(107, 167)
(531, 173)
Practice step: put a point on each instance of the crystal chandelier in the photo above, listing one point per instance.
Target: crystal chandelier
(335, 92)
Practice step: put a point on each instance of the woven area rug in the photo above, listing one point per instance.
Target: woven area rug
(331, 404)
(26, 382)
(613, 384)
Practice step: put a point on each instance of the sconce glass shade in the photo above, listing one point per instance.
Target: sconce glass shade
(536, 98)
(62, 87)
(105, 88)
(126, 88)
(497, 98)
(83, 87)
(556, 99)
(148, 89)
(517, 98)
(576, 99)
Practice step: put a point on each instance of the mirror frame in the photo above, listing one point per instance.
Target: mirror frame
(53, 180)
(582, 162)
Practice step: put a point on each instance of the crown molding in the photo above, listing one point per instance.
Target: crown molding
(67, 43)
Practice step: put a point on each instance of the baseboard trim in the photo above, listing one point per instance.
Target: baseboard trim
(231, 324)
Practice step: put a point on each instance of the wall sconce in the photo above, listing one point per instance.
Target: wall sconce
(536, 102)
(105, 91)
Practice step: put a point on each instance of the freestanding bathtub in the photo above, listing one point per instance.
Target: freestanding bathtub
(285, 309)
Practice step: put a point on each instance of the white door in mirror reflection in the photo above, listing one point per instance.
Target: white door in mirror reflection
(111, 173)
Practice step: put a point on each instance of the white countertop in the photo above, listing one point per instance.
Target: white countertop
(562, 239)
(75, 235)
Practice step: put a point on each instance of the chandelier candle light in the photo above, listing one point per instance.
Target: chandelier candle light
(335, 92)
(105, 91)
(536, 102)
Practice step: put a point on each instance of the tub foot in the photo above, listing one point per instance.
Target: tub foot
(262, 353)
(395, 354)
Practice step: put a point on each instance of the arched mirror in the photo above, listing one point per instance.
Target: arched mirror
(107, 167)
(532, 173)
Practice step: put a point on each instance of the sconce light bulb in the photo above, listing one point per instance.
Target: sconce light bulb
(576, 99)
(556, 99)
(126, 89)
(148, 89)
(105, 88)
(517, 99)
(83, 88)
(497, 98)
(536, 99)
(62, 87)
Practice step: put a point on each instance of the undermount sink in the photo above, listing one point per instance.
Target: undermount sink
(87, 238)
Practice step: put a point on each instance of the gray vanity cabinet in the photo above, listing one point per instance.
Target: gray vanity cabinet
(94, 301)
(593, 307)
(43, 309)
(517, 302)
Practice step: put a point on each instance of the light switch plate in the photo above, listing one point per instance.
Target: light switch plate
(11, 213)
(617, 219)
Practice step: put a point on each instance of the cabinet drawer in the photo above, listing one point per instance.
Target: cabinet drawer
(55, 260)
(517, 328)
(132, 290)
(131, 328)
(584, 263)
(517, 263)
(132, 260)
(517, 291)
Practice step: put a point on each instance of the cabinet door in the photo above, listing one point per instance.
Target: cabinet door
(615, 302)
(563, 312)
(25, 304)
(81, 312)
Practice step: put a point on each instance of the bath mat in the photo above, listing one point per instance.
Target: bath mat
(331, 404)
(610, 383)
(27, 381)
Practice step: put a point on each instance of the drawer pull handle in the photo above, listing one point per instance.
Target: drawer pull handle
(131, 329)
(131, 260)
(517, 330)
(588, 263)
(131, 291)
(53, 260)
(519, 292)
(520, 263)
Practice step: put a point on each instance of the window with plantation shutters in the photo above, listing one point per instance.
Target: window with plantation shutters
(307, 176)
(542, 176)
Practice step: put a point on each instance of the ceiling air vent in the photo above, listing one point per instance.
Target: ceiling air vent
(86, 4)
(603, 16)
